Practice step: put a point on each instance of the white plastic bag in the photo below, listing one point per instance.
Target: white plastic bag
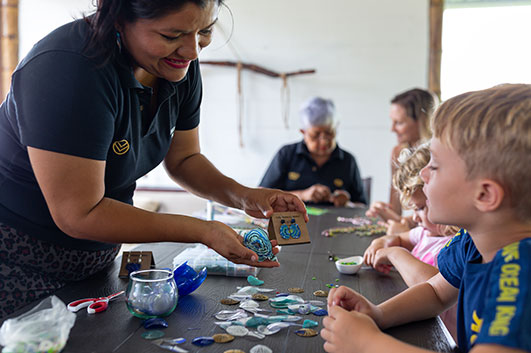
(45, 328)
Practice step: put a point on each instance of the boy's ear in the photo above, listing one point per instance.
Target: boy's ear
(489, 195)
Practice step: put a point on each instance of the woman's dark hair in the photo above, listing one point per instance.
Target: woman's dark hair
(103, 37)
(419, 105)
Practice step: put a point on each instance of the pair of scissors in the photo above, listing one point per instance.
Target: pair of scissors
(93, 305)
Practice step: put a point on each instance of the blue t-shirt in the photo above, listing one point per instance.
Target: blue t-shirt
(494, 304)
(293, 168)
(63, 99)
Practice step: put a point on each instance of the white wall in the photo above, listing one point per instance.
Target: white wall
(364, 53)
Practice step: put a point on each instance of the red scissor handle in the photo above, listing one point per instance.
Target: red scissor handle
(98, 307)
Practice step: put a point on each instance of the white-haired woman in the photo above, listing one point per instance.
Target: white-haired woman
(316, 169)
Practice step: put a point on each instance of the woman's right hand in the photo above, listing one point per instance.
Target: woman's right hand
(316, 193)
(226, 242)
(383, 210)
(370, 253)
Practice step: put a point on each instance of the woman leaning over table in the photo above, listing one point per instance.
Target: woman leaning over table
(95, 105)
(410, 114)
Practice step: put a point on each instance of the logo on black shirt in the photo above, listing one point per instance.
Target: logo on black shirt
(120, 147)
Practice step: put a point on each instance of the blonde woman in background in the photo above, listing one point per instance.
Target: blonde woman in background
(410, 114)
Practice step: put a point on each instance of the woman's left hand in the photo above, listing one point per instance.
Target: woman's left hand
(347, 331)
(262, 202)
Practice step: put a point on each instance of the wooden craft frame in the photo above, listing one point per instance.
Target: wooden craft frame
(144, 258)
(275, 223)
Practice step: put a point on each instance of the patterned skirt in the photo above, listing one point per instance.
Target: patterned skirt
(31, 269)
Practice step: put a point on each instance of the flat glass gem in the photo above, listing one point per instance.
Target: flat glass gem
(256, 334)
(238, 331)
(229, 301)
(222, 338)
(321, 293)
(295, 290)
(179, 340)
(234, 351)
(306, 332)
(202, 341)
(320, 312)
(253, 281)
(152, 335)
(258, 241)
(256, 321)
(259, 296)
(153, 323)
(309, 324)
(260, 348)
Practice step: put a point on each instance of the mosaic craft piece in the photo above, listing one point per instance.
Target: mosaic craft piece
(362, 231)
(258, 241)
(222, 338)
(261, 349)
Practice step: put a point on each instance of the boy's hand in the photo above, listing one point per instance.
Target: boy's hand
(347, 331)
(370, 253)
(350, 300)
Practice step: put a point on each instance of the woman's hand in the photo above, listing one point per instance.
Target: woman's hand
(348, 331)
(316, 193)
(339, 198)
(383, 210)
(226, 242)
(262, 202)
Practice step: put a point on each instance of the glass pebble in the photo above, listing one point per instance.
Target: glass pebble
(202, 341)
(260, 348)
(309, 324)
(155, 323)
(152, 335)
(320, 312)
(238, 331)
(253, 281)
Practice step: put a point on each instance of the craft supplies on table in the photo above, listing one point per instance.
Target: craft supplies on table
(200, 256)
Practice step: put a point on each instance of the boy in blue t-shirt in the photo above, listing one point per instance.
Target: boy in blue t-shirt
(477, 179)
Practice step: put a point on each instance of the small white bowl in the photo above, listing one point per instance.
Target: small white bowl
(351, 269)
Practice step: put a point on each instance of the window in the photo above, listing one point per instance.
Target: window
(484, 45)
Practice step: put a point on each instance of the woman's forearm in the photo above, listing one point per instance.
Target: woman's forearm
(199, 176)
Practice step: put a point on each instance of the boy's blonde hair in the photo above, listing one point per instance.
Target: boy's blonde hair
(406, 179)
(491, 132)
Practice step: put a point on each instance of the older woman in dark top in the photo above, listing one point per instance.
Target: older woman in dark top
(316, 169)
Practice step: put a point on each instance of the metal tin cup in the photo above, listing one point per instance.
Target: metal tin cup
(151, 293)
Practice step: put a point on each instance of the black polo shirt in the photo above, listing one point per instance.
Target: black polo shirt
(293, 168)
(63, 100)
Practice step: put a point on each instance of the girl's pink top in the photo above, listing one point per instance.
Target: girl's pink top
(426, 247)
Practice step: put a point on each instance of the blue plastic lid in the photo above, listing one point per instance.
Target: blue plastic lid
(187, 279)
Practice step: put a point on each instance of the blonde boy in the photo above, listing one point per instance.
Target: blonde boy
(479, 179)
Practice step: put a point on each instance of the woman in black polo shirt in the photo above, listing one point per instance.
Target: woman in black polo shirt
(95, 105)
(316, 169)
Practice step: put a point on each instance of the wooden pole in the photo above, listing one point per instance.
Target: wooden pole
(436, 17)
(8, 43)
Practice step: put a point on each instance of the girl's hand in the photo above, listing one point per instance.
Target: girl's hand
(263, 202)
(348, 331)
(226, 242)
(382, 263)
(383, 210)
(370, 253)
(394, 227)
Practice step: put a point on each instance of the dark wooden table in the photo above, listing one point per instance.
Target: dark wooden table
(116, 330)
